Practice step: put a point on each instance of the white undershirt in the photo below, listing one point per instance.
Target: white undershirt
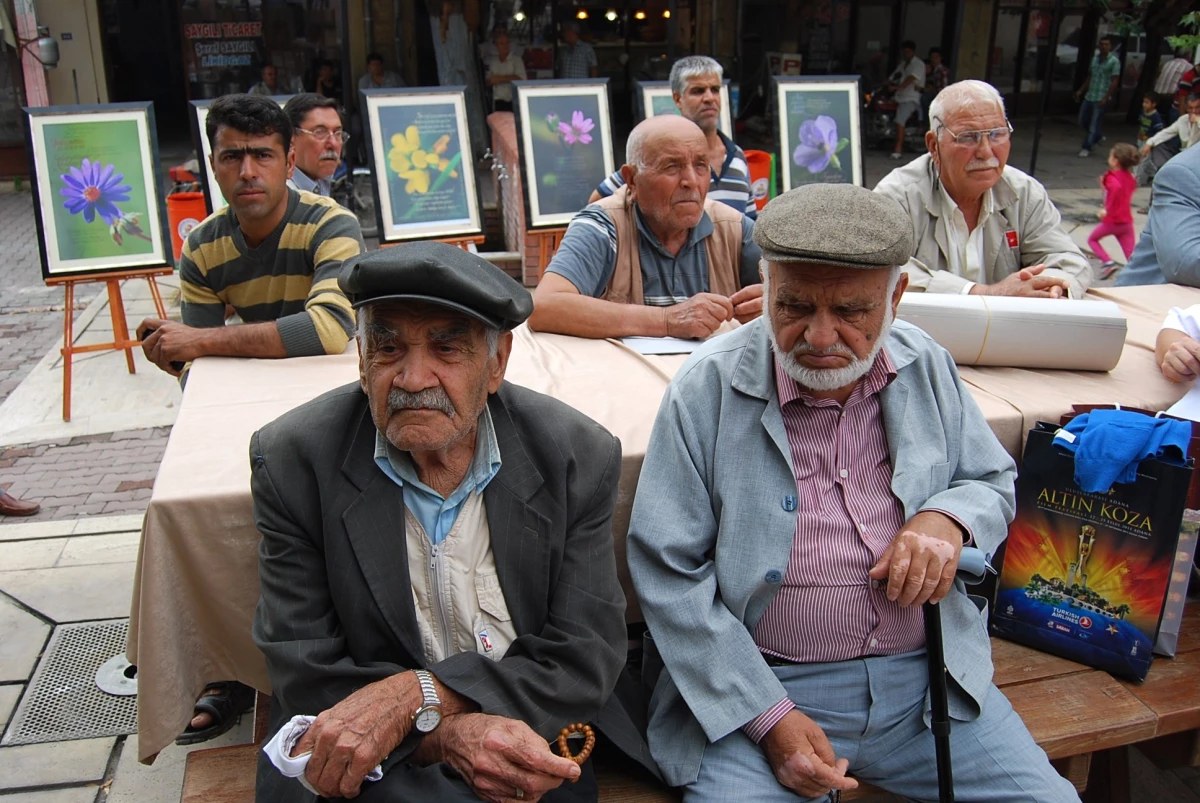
(965, 257)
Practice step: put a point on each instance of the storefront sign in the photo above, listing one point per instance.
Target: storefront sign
(224, 44)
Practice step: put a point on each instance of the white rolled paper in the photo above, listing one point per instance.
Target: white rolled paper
(1059, 333)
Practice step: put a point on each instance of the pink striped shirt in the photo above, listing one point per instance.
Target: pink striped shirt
(827, 608)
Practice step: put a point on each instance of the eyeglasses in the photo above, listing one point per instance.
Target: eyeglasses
(325, 133)
(971, 139)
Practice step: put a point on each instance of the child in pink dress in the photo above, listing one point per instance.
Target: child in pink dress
(1116, 218)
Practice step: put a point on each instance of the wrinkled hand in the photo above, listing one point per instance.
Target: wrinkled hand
(498, 756)
(1181, 362)
(170, 341)
(747, 303)
(1026, 282)
(920, 562)
(350, 739)
(699, 316)
(803, 759)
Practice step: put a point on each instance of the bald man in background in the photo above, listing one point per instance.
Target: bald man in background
(657, 258)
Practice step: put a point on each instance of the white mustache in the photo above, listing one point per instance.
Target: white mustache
(330, 155)
(983, 164)
(836, 349)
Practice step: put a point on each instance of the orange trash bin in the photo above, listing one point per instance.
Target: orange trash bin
(185, 210)
(760, 176)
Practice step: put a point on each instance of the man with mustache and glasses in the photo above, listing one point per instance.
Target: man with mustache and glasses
(979, 225)
(273, 256)
(659, 257)
(439, 588)
(317, 141)
(811, 480)
(696, 88)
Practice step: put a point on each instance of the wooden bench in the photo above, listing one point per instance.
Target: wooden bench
(1074, 712)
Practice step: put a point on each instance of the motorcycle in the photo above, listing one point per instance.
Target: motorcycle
(351, 188)
(879, 122)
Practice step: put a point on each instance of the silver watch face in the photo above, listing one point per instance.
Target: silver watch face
(428, 718)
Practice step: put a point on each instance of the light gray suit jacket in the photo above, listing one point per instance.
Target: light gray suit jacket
(337, 613)
(710, 534)
(1022, 206)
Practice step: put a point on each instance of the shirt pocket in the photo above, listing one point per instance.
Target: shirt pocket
(491, 597)
(939, 477)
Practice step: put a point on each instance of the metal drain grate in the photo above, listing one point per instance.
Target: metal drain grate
(63, 701)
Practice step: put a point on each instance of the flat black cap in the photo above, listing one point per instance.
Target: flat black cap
(437, 273)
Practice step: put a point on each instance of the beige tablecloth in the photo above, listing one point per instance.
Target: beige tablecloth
(197, 575)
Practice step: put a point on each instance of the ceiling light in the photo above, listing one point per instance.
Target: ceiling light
(610, 15)
(519, 16)
(640, 15)
(581, 14)
(667, 15)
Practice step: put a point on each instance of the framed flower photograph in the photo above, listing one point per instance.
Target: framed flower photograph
(421, 165)
(820, 139)
(212, 191)
(95, 188)
(655, 98)
(566, 146)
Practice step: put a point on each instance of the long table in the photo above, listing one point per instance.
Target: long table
(197, 576)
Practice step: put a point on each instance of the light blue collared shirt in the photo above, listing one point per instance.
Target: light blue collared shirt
(301, 181)
(437, 514)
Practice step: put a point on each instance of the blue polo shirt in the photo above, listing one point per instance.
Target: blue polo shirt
(436, 513)
(588, 256)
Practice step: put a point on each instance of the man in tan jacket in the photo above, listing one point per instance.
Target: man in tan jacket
(981, 226)
(657, 257)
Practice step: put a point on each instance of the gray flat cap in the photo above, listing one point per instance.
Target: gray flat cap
(835, 224)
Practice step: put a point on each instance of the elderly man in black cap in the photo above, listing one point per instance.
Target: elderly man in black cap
(810, 481)
(439, 591)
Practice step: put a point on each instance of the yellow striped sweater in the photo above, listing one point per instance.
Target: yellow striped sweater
(290, 278)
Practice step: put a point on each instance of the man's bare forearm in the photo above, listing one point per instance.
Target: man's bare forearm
(244, 340)
(584, 316)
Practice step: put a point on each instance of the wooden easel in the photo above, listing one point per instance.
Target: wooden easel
(464, 243)
(548, 242)
(116, 306)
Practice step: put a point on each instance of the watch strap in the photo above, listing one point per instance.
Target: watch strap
(428, 689)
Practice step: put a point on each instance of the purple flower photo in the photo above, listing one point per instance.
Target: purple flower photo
(93, 189)
(818, 144)
(577, 130)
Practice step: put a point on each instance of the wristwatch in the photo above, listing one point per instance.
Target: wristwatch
(429, 715)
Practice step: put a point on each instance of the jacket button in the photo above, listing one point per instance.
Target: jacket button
(773, 576)
(789, 503)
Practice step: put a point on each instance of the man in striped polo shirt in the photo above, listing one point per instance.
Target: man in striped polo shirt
(657, 258)
(273, 255)
(696, 86)
(810, 482)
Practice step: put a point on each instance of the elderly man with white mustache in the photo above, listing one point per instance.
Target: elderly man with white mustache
(979, 225)
(811, 480)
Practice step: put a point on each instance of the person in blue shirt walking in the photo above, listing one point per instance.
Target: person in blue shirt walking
(1097, 90)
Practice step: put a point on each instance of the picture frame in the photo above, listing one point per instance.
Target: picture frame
(657, 96)
(212, 191)
(819, 130)
(97, 203)
(414, 198)
(564, 128)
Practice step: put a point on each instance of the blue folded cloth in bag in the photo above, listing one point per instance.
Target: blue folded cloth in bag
(1109, 444)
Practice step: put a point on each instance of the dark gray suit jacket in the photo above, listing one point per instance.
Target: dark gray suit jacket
(336, 611)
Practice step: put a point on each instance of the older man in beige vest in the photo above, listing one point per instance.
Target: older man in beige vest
(656, 258)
